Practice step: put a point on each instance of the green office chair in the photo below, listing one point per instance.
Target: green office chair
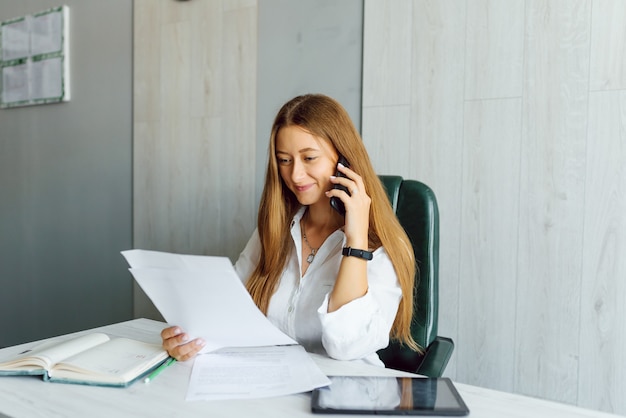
(416, 208)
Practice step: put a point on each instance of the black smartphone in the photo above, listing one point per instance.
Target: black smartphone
(335, 202)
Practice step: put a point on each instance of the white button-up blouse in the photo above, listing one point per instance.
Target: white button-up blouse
(299, 307)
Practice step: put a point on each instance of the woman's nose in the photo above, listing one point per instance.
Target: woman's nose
(297, 171)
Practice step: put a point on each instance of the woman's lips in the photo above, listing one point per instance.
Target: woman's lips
(303, 188)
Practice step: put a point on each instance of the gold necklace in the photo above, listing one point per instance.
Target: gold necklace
(311, 256)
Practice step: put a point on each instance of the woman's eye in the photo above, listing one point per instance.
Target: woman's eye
(283, 161)
(309, 158)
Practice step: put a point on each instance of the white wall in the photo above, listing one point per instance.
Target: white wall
(515, 113)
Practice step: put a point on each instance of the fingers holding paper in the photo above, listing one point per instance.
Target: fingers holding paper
(176, 343)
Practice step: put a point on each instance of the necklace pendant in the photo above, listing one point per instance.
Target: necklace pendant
(310, 258)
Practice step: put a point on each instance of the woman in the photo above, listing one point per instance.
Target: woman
(306, 265)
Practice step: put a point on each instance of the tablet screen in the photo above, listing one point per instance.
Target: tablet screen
(388, 395)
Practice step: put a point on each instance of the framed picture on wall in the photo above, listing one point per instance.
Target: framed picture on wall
(34, 58)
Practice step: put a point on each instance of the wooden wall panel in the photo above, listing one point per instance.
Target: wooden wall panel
(494, 49)
(387, 84)
(602, 337)
(489, 220)
(552, 198)
(238, 136)
(413, 120)
(385, 137)
(207, 49)
(194, 129)
(206, 212)
(385, 125)
(437, 134)
(178, 146)
(147, 60)
(608, 45)
(533, 302)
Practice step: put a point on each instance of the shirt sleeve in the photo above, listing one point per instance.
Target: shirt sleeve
(361, 327)
(249, 257)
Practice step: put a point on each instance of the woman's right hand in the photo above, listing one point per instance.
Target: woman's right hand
(176, 343)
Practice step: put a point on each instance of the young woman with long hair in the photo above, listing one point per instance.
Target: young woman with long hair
(339, 284)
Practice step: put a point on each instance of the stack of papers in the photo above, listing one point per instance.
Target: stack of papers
(206, 298)
(254, 372)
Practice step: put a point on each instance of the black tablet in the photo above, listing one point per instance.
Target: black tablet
(389, 396)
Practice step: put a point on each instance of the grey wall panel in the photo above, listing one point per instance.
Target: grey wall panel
(65, 185)
(312, 46)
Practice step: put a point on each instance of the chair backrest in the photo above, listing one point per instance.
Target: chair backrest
(416, 208)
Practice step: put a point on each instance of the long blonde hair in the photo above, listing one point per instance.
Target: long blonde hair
(326, 119)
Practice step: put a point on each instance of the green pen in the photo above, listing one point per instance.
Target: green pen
(159, 369)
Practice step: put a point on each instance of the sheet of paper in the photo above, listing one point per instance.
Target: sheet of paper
(172, 261)
(257, 372)
(46, 79)
(47, 33)
(15, 39)
(205, 297)
(15, 82)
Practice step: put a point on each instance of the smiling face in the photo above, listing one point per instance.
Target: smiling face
(305, 164)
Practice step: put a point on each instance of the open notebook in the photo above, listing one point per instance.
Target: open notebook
(92, 359)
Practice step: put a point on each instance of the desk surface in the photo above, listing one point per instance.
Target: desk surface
(30, 396)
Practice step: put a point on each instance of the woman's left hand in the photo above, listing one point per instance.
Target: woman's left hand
(357, 205)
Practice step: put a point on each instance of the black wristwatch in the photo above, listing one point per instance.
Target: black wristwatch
(354, 252)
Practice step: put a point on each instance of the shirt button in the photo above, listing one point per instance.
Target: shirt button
(290, 309)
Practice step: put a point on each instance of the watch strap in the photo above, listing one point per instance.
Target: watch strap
(355, 252)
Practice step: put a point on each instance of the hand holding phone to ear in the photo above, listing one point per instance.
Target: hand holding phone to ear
(349, 197)
(349, 189)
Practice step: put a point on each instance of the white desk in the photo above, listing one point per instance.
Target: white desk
(30, 396)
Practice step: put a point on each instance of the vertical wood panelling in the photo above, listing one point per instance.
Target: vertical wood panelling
(436, 134)
(385, 137)
(608, 45)
(238, 139)
(194, 128)
(388, 58)
(147, 58)
(541, 292)
(206, 95)
(230, 5)
(147, 175)
(552, 198)
(495, 39)
(489, 218)
(178, 145)
(206, 60)
(602, 337)
(205, 212)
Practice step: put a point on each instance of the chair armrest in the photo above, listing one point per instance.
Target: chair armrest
(436, 357)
